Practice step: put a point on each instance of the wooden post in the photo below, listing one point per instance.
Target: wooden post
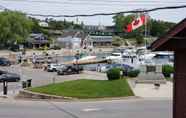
(179, 98)
(5, 87)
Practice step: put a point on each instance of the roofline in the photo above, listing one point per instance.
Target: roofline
(166, 37)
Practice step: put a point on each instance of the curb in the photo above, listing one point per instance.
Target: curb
(3, 96)
(25, 94)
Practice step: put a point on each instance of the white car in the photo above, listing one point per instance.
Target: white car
(54, 67)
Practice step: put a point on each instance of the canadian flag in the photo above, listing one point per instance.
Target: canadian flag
(138, 22)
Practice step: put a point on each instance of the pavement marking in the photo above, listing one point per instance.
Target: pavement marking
(91, 109)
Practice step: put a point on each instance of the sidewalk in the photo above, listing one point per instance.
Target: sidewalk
(10, 95)
(149, 91)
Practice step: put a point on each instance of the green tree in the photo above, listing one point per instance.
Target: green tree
(158, 27)
(14, 28)
(117, 41)
(155, 27)
(140, 39)
(36, 28)
(61, 25)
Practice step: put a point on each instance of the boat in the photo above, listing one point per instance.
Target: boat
(86, 58)
(114, 56)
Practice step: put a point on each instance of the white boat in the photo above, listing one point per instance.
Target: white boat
(86, 58)
(164, 58)
(115, 56)
(160, 58)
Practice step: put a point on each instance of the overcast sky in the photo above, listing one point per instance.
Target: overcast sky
(71, 7)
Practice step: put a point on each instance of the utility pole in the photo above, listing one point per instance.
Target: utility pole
(146, 29)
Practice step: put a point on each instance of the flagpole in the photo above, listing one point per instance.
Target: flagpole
(145, 29)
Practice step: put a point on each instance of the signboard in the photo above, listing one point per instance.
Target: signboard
(151, 69)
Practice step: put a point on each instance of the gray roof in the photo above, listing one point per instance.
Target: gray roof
(73, 33)
(37, 38)
(68, 39)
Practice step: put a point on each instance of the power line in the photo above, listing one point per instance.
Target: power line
(113, 13)
(103, 14)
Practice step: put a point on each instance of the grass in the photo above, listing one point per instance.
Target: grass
(87, 89)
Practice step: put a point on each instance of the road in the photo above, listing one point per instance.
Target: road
(100, 109)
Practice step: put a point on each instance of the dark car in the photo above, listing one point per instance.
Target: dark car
(9, 77)
(122, 66)
(70, 69)
(4, 62)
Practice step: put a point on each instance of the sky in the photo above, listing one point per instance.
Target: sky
(73, 7)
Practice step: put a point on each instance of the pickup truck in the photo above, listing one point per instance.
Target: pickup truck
(70, 69)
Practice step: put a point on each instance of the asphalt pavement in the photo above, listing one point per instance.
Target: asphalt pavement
(135, 108)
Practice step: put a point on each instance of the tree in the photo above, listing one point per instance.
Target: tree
(158, 27)
(36, 28)
(14, 28)
(155, 27)
(140, 39)
(61, 25)
(117, 41)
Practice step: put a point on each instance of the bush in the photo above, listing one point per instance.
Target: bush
(14, 48)
(133, 73)
(167, 70)
(140, 39)
(113, 74)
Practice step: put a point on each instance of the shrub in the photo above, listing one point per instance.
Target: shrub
(113, 74)
(41, 48)
(133, 73)
(140, 39)
(167, 70)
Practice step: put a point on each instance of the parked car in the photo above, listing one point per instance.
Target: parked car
(9, 77)
(53, 67)
(105, 68)
(4, 61)
(70, 69)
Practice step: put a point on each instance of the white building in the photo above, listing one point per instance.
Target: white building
(43, 24)
(69, 42)
(98, 41)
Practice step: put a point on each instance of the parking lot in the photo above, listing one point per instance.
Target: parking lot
(40, 77)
